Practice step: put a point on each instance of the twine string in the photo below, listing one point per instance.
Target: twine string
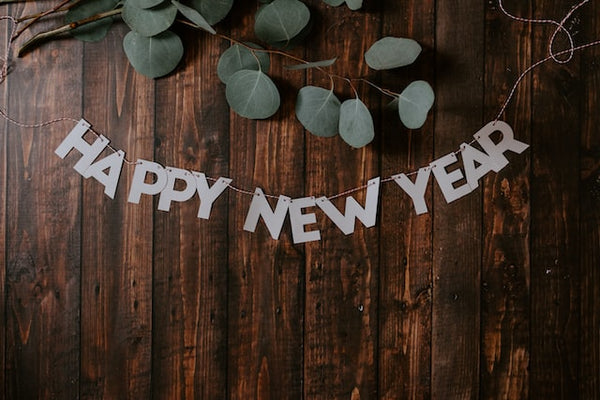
(552, 55)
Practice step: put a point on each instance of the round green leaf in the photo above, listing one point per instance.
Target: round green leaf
(281, 20)
(392, 52)
(144, 3)
(252, 94)
(354, 4)
(334, 3)
(414, 103)
(93, 31)
(356, 124)
(213, 10)
(194, 16)
(237, 58)
(318, 110)
(153, 56)
(151, 21)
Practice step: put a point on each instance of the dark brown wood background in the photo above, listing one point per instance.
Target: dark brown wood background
(496, 295)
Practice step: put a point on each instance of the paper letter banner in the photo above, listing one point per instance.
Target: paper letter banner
(456, 176)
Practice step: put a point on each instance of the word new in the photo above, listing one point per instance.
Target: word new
(454, 184)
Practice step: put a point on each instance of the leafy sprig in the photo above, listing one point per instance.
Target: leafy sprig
(154, 50)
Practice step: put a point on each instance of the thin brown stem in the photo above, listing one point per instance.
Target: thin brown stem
(387, 92)
(42, 36)
(38, 17)
(42, 14)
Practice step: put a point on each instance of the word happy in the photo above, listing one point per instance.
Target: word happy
(454, 184)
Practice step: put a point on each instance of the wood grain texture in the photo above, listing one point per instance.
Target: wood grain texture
(116, 304)
(495, 295)
(265, 321)
(505, 297)
(44, 236)
(589, 216)
(4, 34)
(190, 279)
(405, 286)
(341, 271)
(554, 223)
(457, 226)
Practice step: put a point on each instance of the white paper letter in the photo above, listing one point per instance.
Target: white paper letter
(473, 173)
(346, 221)
(260, 207)
(208, 195)
(416, 190)
(75, 141)
(445, 180)
(138, 184)
(169, 193)
(299, 220)
(114, 164)
(496, 150)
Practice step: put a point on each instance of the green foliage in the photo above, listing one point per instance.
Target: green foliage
(96, 30)
(144, 3)
(356, 124)
(194, 16)
(213, 11)
(149, 21)
(153, 56)
(281, 21)
(238, 57)
(252, 94)
(318, 110)
(154, 50)
(391, 52)
(414, 103)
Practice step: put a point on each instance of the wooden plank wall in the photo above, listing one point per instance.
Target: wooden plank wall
(496, 295)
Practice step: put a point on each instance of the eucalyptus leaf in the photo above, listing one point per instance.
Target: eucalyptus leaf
(144, 3)
(252, 94)
(212, 10)
(281, 20)
(334, 3)
(356, 123)
(151, 21)
(93, 31)
(237, 58)
(153, 56)
(297, 40)
(318, 110)
(315, 64)
(354, 4)
(193, 16)
(414, 103)
(392, 52)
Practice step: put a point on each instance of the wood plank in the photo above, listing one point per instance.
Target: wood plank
(265, 276)
(4, 35)
(405, 244)
(190, 278)
(506, 264)
(342, 271)
(589, 217)
(44, 231)
(554, 220)
(116, 314)
(457, 226)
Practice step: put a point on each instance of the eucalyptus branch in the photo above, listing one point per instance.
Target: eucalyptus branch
(43, 36)
(38, 17)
